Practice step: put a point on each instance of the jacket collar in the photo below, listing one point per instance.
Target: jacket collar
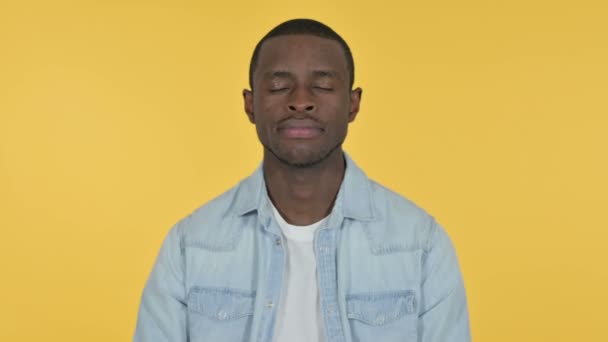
(354, 197)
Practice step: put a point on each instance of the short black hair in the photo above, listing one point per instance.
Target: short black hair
(306, 27)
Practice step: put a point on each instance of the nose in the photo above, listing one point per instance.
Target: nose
(301, 101)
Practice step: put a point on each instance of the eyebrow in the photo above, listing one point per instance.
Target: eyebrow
(326, 73)
(287, 74)
(278, 74)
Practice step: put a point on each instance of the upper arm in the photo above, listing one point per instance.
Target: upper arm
(162, 311)
(443, 310)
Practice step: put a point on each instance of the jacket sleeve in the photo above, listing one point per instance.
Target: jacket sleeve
(443, 314)
(162, 311)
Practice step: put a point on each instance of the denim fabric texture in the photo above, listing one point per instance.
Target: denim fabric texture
(386, 271)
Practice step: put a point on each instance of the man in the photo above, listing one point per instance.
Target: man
(307, 248)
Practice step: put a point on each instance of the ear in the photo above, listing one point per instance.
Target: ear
(355, 101)
(248, 102)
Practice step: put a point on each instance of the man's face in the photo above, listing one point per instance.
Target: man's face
(301, 102)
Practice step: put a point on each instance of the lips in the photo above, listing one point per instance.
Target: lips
(300, 129)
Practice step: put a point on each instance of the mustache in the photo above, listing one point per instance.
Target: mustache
(299, 117)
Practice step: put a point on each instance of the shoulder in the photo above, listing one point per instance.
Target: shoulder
(389, 202)
(398, 221)
(212, 225)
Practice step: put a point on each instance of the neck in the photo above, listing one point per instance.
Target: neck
(304, 196)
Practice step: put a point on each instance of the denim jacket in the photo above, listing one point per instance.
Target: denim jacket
(386, 271)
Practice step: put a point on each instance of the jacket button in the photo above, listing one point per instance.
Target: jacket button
(277, 241)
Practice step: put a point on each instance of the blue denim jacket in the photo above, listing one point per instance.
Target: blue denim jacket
(386, 271)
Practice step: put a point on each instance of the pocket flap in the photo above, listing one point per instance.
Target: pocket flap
(380, 308)
(221, 303)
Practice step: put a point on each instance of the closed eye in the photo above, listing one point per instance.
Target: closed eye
(323, 88)
(278, 90)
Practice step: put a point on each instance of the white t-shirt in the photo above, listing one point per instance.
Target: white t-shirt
(299, 311)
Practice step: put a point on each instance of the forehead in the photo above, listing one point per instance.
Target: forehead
(298, 51)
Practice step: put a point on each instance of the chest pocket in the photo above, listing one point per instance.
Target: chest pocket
(220, 314)
(383, 316)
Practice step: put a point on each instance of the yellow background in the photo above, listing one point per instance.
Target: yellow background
(117, 118)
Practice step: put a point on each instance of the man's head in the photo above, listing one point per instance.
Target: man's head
(301, 76)
(304, 27)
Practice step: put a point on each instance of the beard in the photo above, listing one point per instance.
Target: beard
(308, 162)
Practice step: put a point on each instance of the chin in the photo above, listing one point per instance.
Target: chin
(301, 161)
(296, 157)
(300, 157)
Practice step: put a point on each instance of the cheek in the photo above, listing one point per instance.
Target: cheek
(267, 104)
(340, 110)
(341, 117)
(265, 118)
(340, 103)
